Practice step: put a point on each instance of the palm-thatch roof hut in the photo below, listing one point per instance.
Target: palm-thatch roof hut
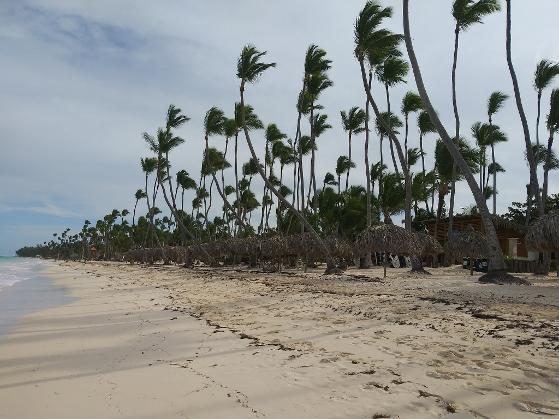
(429, 246)
(388, 238)
(543, 234)
(469, 243)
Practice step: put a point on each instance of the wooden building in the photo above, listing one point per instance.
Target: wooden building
(511, 235)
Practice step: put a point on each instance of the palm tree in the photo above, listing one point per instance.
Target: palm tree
(466, 13)
(249, 69)
(496, 259)
(553, 128)
(353, 123)
(394, 123)
(140, 194)
(410, 103)
(546, 71)
(494, 104)
(534, 183)
(252, 123)
(343, 165)
(185, 182)
(425, 126)
(149, 165)
(391, 72)
(372, 42)
(319, 126)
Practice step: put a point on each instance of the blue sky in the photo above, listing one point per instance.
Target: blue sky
(82, 80)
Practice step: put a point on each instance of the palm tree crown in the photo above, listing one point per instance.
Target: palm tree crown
(469, 12)
(353, 121)
(214, 122)
(495, 103)
(546, 71)
(249, 67)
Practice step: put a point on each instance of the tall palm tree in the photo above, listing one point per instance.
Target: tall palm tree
(496, 259)
(272, 135)
(249, 69)
(494, 104)
(343, 164)
(553, 127)
(466, 13)
(185, 182)
(546, 71)
(213, 162)
(374, 42)
(140, 194)
(410, 103)
(425, 126)
(534, 183)
(149, 165)
(390, 72)
(353, 123)
(319, 126)
(252, 123)
(214, 124)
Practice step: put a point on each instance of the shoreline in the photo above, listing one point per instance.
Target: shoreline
(29, 296)
(168, 342)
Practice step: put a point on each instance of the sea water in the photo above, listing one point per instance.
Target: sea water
(15, 269)
(24, 289)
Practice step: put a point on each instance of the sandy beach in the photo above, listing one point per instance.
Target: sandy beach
(168, 342)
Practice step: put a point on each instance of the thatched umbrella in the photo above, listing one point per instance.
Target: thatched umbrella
(429, 246)
(469, 243)
(388, 238)
(543, 235)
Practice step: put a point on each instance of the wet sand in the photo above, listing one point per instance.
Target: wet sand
(168, 342)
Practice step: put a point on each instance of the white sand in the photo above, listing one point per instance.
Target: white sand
(165, 342)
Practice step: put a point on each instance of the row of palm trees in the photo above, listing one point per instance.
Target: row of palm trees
(338, 207)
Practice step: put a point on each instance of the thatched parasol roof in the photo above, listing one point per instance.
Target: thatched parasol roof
(468, 243)
(428, 244)
(388, 238)
(543, 234)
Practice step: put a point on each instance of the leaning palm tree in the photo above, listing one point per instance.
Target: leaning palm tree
(534, 188)
(373, 42)
(546, 71)
(213, 162)
(249, 69)
(466, 13)
(495, 255)
(353, 123)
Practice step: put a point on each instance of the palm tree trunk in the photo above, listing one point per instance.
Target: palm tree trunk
(389, 137)
(226, 202)
(457, 130)
(423, 170)
(538, 118)
(394, 141)
(494, 180)
(349, 166)
(134, 213)
(546, 167)
(496, 260)
(237, 170)
(329, 260)
(367, 166)
(534, 184)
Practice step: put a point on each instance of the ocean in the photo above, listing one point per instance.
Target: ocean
(14, 269)
(24, 289)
